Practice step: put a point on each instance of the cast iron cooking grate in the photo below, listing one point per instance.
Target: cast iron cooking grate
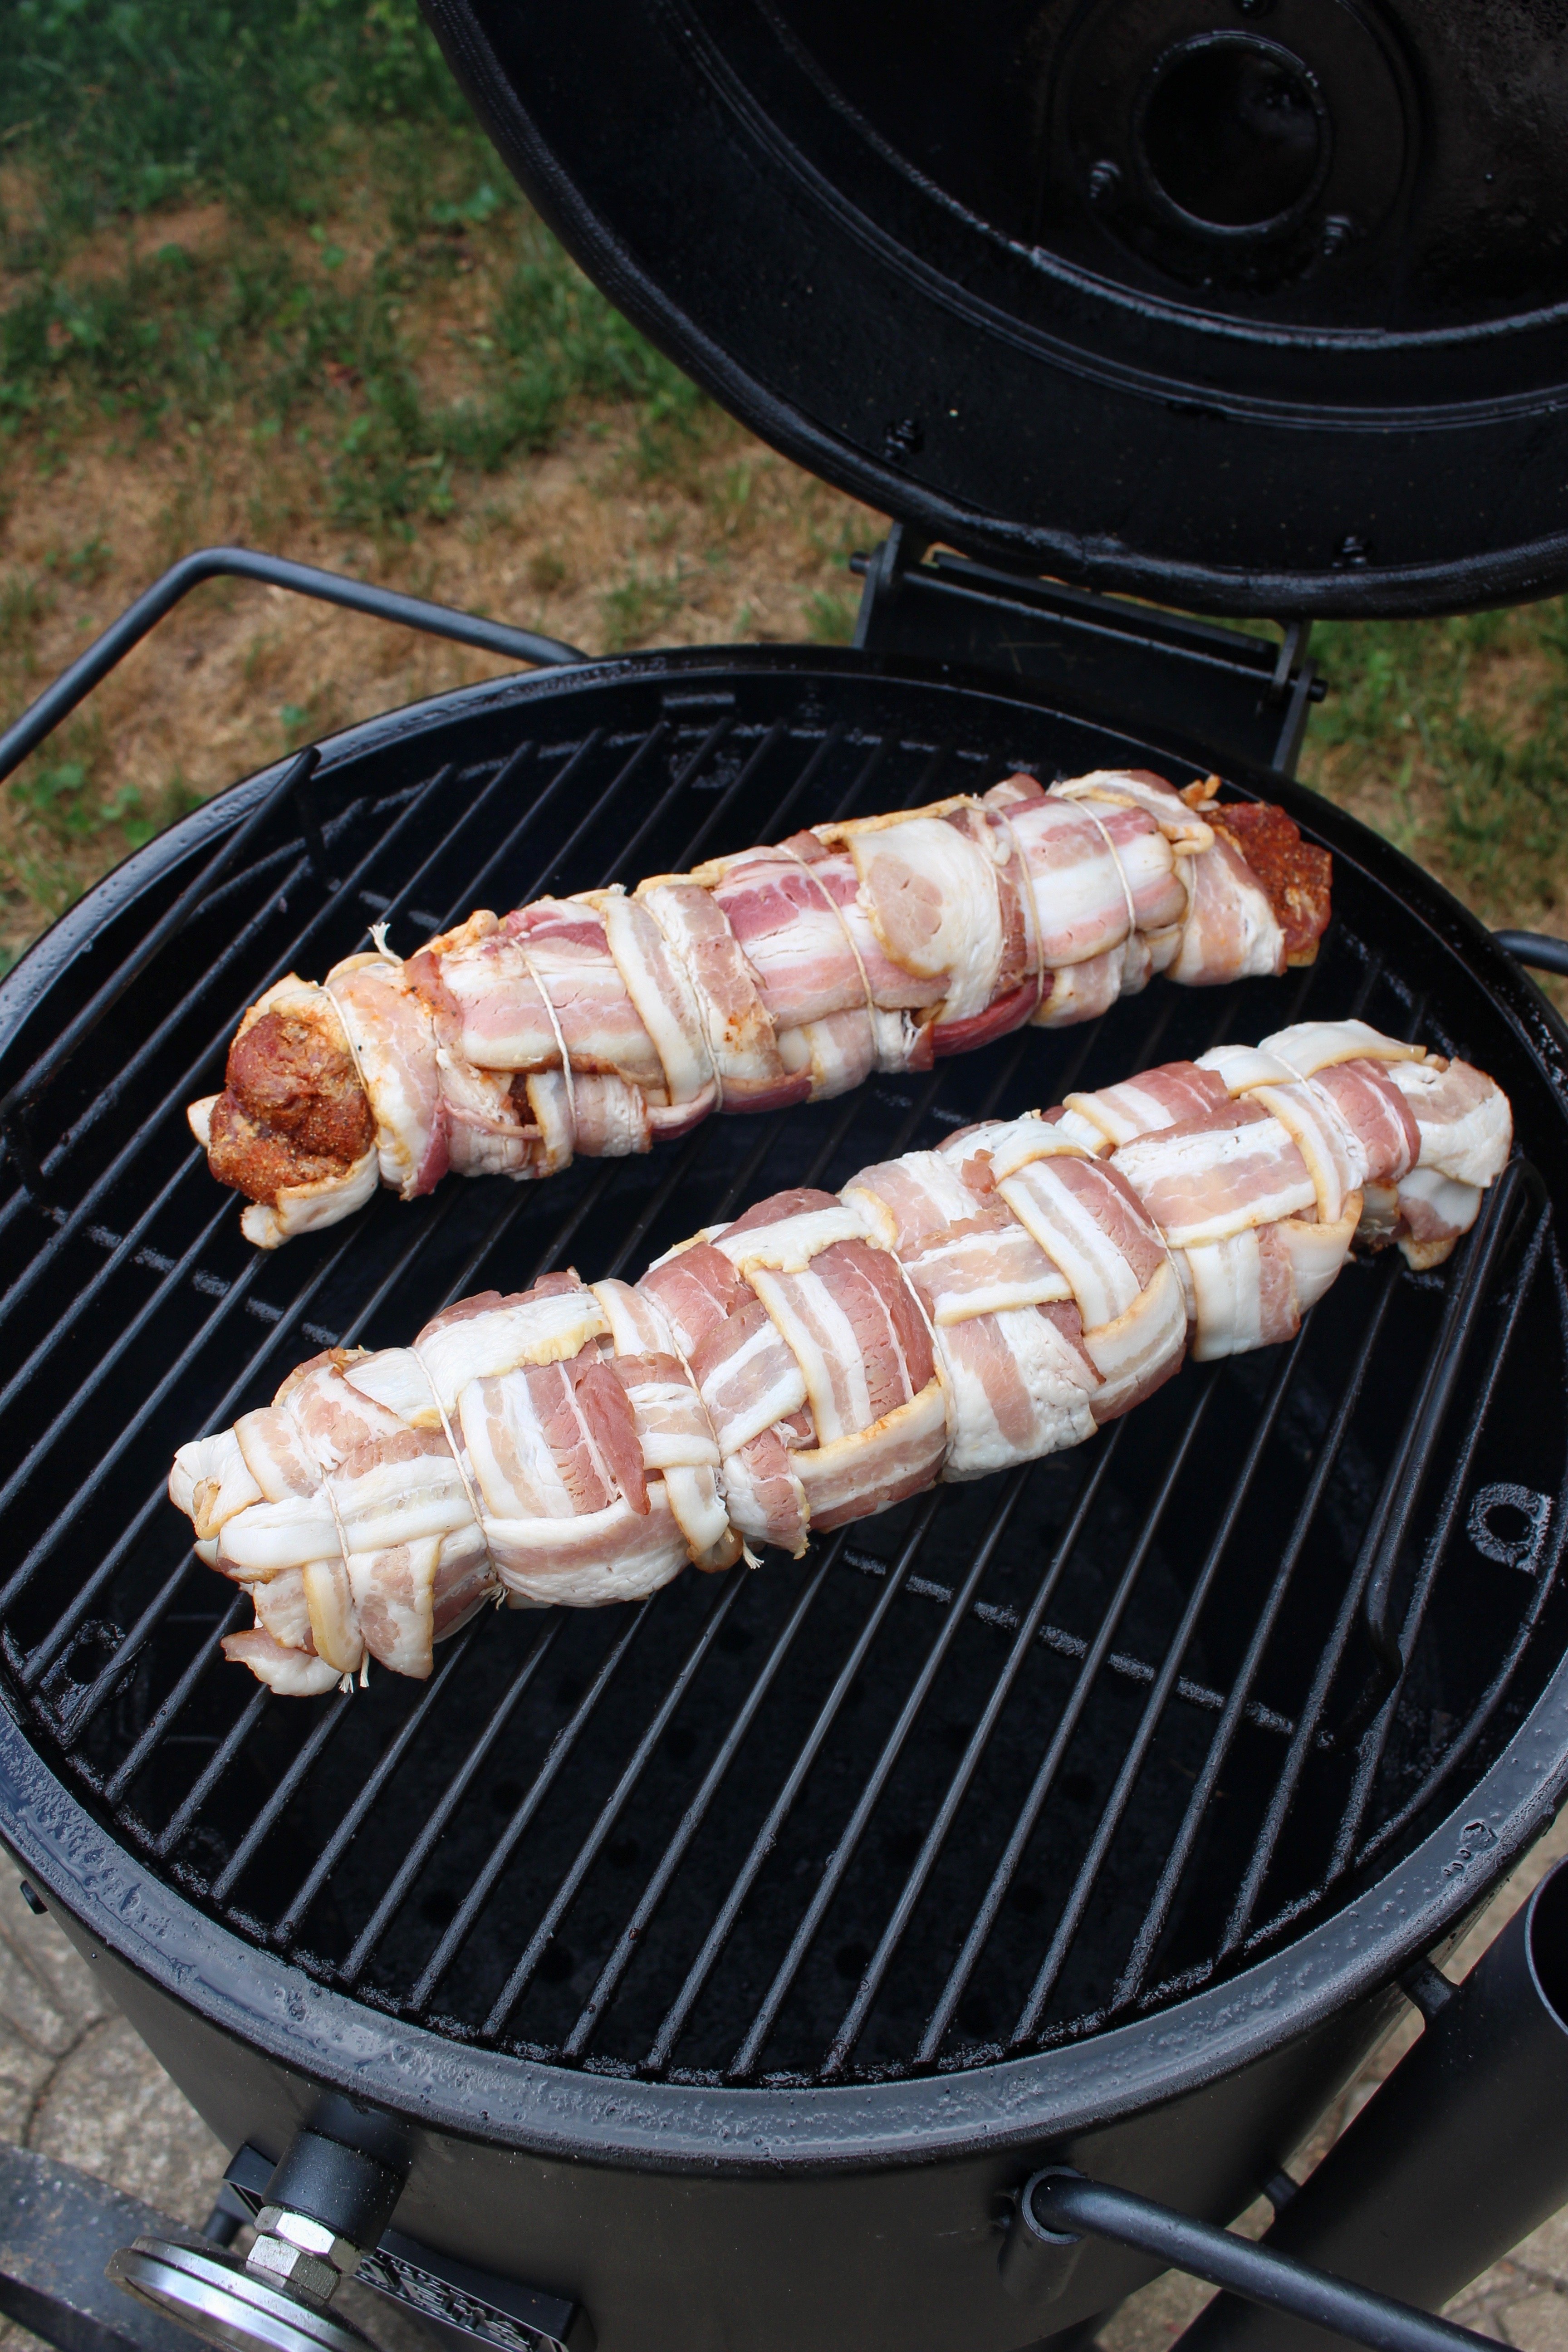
(992, 1770)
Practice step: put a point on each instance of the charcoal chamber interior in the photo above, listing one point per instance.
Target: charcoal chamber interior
(995, 1770)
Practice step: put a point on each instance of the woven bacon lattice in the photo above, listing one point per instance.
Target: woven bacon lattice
(601, 1023)
(947, 1313)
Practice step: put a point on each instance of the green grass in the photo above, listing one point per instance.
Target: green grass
(1455, 732)
(137, 103)
(316, 117)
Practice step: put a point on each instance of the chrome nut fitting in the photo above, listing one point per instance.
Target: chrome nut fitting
(281, 2265)
(311, 2237)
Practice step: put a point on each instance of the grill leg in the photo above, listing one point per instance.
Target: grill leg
(1461, 2154)
(325, 2205)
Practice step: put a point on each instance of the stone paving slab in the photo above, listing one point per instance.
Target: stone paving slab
(75, 2083)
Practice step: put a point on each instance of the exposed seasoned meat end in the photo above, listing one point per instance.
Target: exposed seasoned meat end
(289, 1073)
(260, 1161)
(1294, 876)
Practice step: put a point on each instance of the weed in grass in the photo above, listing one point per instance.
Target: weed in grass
(830, 617)
(25, 605)
(84, 565)
(1452, 736)
(636, 608)
(546, 571)
(730, 500)
(54, 789)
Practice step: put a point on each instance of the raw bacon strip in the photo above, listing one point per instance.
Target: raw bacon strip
(598, 1024)
(825, 1356)
(1211, 1177)
(1161, 1097)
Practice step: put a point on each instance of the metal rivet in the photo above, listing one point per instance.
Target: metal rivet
(1338, 231)
(1103, 180)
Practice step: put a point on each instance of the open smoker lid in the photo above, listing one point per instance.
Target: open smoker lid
(1245, 305)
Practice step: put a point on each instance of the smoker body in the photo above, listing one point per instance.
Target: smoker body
(862, 2235)
(700, 2212)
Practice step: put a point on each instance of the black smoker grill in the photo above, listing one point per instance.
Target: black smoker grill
(716, 1972)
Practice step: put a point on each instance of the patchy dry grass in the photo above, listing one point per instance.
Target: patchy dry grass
(1451, 737)
(376, 358)
(394, 370)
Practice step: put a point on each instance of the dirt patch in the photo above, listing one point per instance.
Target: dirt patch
(728, 543)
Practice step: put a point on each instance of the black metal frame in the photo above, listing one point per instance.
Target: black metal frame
(203, 564)
(1246, 698)
(1058, 2207)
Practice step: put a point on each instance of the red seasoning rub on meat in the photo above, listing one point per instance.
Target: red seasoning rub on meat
(827, 1355)
(1294, 875)
(602, 1023)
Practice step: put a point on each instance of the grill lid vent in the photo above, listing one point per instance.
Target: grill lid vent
(1248, 305)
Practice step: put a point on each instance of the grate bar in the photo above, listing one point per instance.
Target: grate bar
(1122, 1662)
(556, 1755)
(507, 773)
(597, 809)
(45, 1544)
(825, 748)
(735, 1194)
(200, 1666)
(240, 1732)
(876, 1969)
(20, 1096)
(1437, 1371)
(559, 1903)
(1238, 1706)
(279, 1331)
(464, 907)
(838, 1860)
(1112, 1818)
(386, 1764)
(1480, 1713)
(766, 1838)
(462, 1282)
(1001, 1877)
(925, 788)
(690, 1821)
(593, 1193)
(107, 1363)
(456, 1788)
(123, 1250)
(442, 777)
(1402, 1490)
(1376, 1736)
(327, 1722)
(109, 1676)
(626, 856)
(679, 1169)
(728, 798)
(126, 1077)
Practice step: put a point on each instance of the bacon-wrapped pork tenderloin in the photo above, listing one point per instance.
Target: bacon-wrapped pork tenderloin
(824, 1356)
(600, 1022)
